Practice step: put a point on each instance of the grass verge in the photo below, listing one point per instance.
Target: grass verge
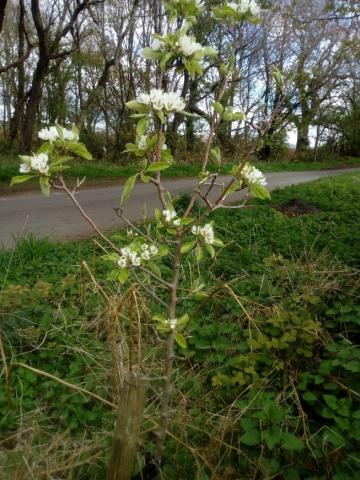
(98, 173)
(269, 385)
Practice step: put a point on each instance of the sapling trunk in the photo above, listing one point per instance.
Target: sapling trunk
(128, 427)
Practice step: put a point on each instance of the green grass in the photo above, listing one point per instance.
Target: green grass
(302, 268)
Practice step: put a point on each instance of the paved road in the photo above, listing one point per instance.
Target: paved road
(57, 218)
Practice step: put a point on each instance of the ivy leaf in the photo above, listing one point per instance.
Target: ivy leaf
(129, 185)
(180, 340)
(331, 401)
(291, 442)
(271, 437)
(251, 437)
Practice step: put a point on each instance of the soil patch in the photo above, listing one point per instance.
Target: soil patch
(296, 207)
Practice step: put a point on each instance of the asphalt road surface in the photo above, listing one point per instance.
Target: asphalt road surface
(57, 217)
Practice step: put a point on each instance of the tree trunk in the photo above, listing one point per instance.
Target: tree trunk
(32, 106)
(302, 144)
(18, 116)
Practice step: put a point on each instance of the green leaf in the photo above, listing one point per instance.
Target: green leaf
(79, 149)
(291, 442)
(159, 318)
(158, 166)
(46, 147)
(183, 320)
(150, 54)
(199, 253)
(215, 154)
(271, 437)
(145, 178)
(277, 77)
(251, 437)
(188, 246)
(135, 105)
(259, 191)
(309, 397)
(218, 108)
(154, 268)
(142, 126)
(21, 179)
(238, 116)
(218, 242)
(211, 250)
(129, 185)
(160, 115)
(331, 401)
(45, 186)
(180, 340)
(123, 275)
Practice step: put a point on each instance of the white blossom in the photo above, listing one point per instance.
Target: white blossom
(24, 168)
(233, 5)
(169, 215)
(122, 262)
(51, 134)
(206, 232)
(154, 250)
(68, 135)
(142, 142)
(172, 322)
(148, 251)
(188, 45)
(253, 175)
(40, 163)
(146, 255)
(173, 102)
(128, 258)
(159, 100)
(244, 6)
(157, 45)
(177, 222)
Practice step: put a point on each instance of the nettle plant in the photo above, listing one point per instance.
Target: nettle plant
(139, 255)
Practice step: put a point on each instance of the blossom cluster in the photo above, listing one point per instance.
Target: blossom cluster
(253, 175)
(38, 163)
(188, 46)
(142, 142)
(206, 232)
(244, 6)
(170, 216)
(53, 133)
(131, 258)
(160, 100)
(172, 322)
